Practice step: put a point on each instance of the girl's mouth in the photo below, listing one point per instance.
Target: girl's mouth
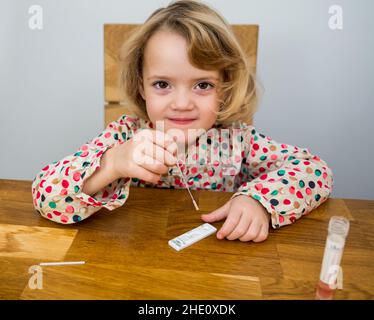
(181, 121)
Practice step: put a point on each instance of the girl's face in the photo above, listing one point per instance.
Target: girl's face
(176, 92)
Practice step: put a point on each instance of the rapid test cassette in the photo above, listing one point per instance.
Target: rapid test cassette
(192, 236)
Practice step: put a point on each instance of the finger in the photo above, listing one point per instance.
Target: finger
(146, 136)
(233, 217)
(165, 141)
(231, 222)
(154, 165)
(241, 228)
(143, 136)
(172, 147)
(263, 234)
(252, 232)
(153, 147)
(146, 175)
(217, 214)
(160, 154)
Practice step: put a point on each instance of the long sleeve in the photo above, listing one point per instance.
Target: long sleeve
(57, 188)
(289, 182)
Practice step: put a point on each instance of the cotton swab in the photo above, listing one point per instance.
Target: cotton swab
(188, 189)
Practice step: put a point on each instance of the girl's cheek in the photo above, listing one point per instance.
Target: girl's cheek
(157, 101)
(155, 110)
(209, 109)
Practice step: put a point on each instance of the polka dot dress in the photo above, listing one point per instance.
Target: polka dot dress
(288, 181)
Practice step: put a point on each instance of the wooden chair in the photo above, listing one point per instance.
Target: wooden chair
(116, 34)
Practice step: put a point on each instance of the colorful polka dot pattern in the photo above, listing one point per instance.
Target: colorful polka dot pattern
(289, 182)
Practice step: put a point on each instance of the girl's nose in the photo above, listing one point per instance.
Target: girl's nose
(182, 101)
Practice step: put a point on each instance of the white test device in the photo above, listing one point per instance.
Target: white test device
(192, 236)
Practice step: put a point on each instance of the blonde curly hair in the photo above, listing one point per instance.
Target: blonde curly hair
(211, 45)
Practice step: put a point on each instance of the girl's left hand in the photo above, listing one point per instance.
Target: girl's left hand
(246, 219)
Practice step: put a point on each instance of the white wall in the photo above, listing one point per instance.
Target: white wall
(317, 81)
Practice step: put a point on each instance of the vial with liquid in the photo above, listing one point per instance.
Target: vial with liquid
(331, 272)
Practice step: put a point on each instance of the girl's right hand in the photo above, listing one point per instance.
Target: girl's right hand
(146, 156)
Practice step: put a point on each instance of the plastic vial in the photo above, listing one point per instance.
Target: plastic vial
(331, 270)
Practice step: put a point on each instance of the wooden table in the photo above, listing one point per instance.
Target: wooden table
(128, 257)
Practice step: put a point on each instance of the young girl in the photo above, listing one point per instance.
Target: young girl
(184, 68)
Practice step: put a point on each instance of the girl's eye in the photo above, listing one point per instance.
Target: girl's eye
(205, 85)
(162, 84)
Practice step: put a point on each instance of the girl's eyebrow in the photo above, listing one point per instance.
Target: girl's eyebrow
(170, 78)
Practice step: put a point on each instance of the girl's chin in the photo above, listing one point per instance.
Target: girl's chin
(193, 126)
